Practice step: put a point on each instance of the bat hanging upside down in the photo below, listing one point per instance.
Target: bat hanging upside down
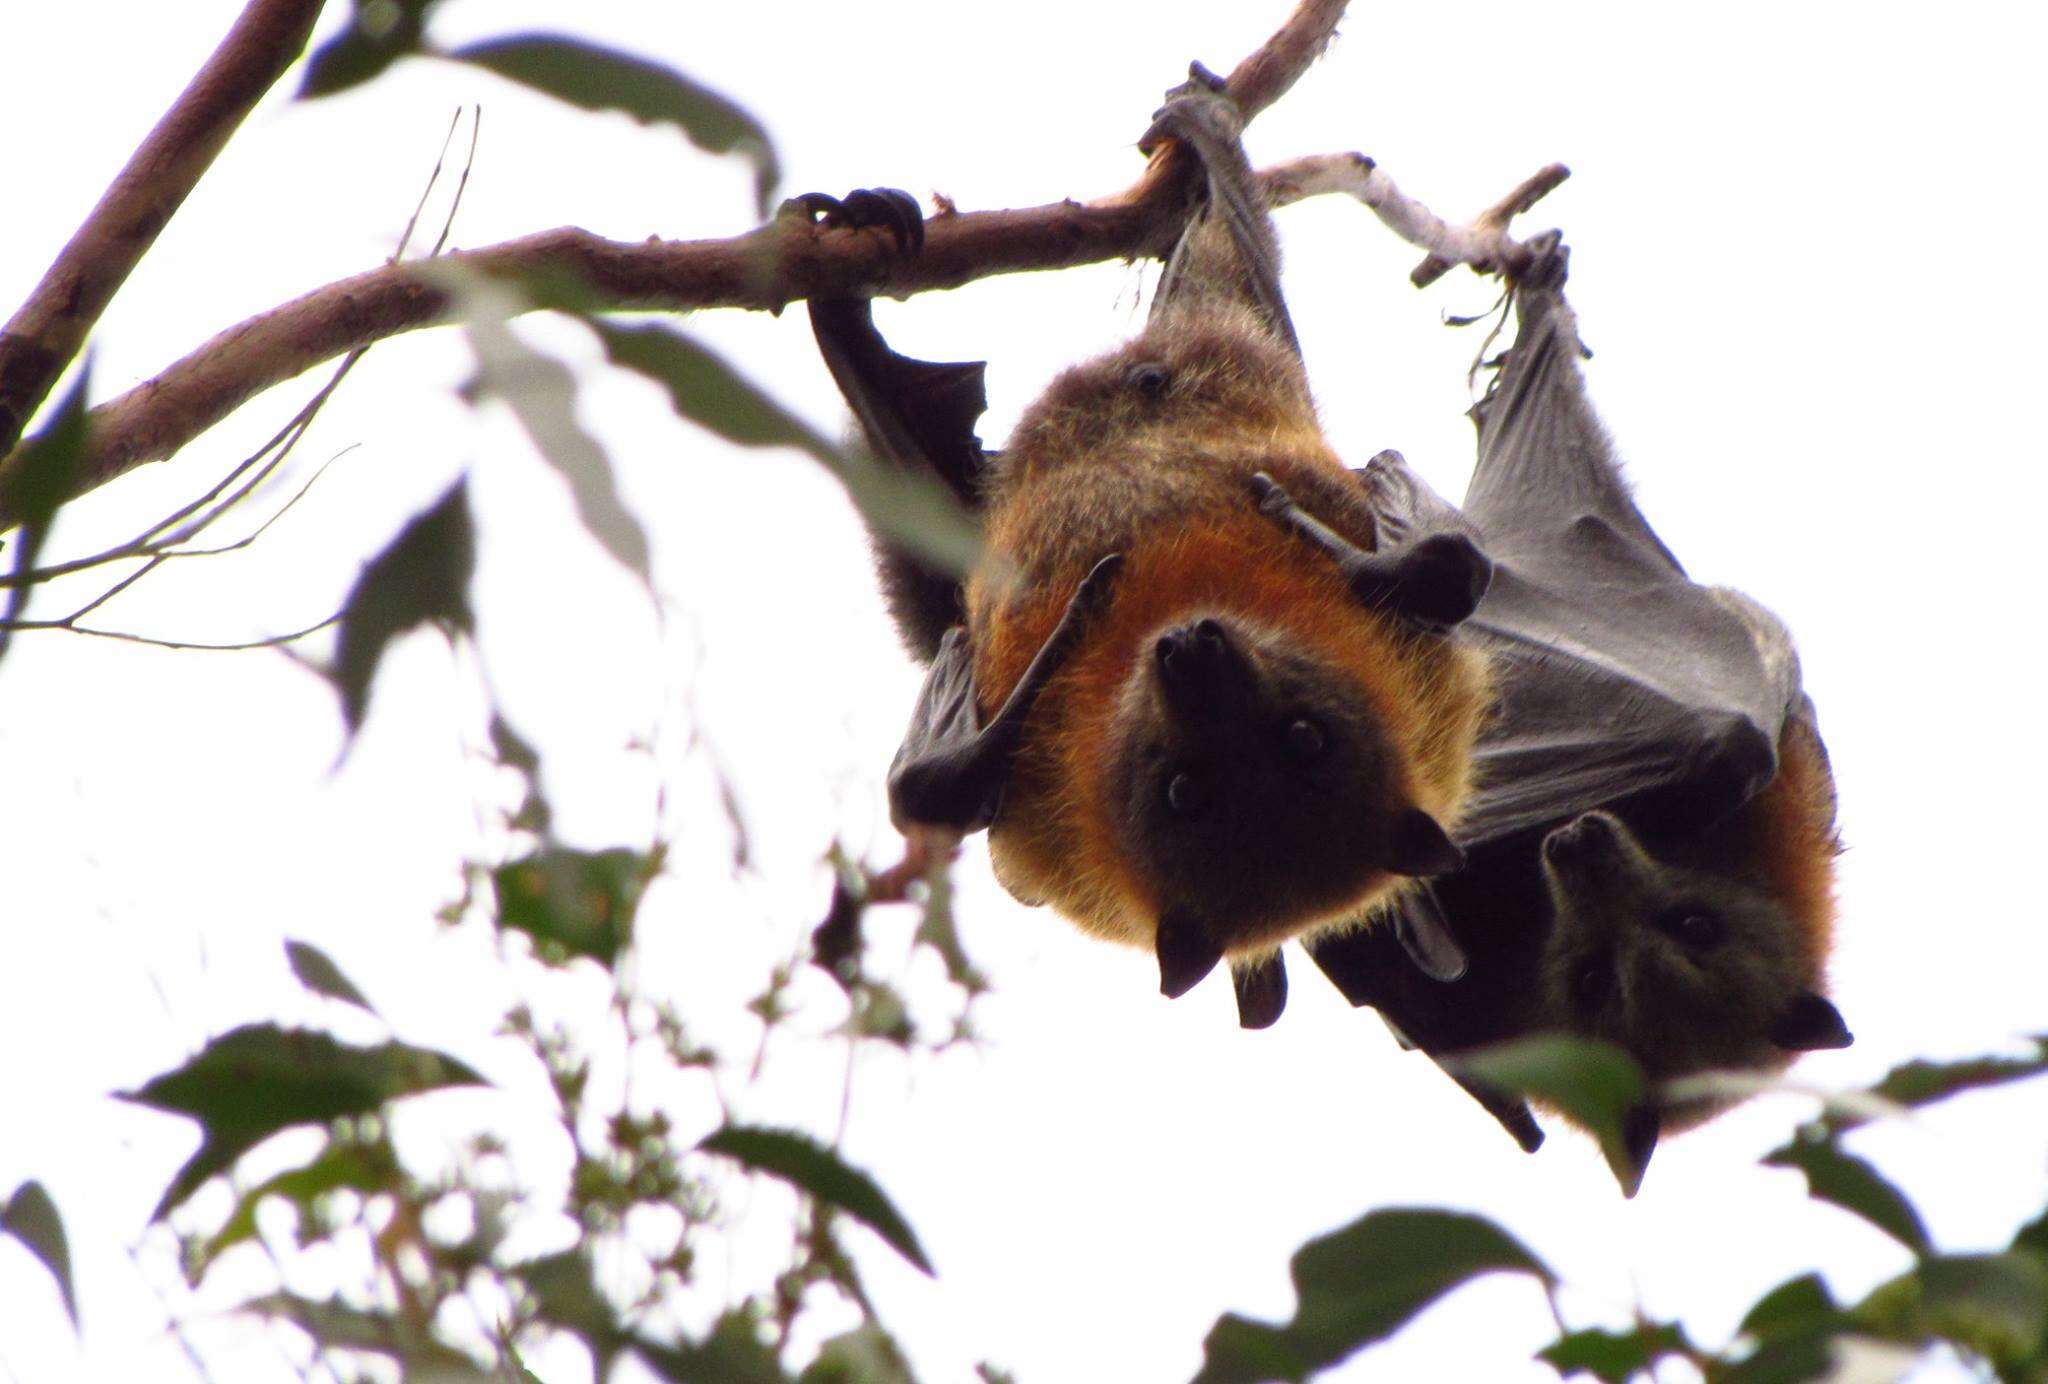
(1187, 727)
(1652, 835)
(1600, 804)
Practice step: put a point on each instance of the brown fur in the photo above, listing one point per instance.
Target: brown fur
(1098, 466)
(1793, 821)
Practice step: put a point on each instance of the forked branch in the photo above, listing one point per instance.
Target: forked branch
(48, 329)
(1482, 243)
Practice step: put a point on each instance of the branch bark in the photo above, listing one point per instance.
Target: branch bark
(49, 328)
(765, 270)
(1483, 243)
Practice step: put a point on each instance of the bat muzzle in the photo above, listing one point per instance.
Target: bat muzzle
(1204, 673)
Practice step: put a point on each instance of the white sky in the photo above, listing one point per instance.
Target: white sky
(1801, 238)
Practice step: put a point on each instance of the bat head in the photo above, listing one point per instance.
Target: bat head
(1689, 968)
(1255, 792)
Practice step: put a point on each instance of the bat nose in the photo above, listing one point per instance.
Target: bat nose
(1587, 837)
(1200, 664)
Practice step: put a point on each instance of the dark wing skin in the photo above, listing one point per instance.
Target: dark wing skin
(1621, 678)
(920, 416)
(1619, 681)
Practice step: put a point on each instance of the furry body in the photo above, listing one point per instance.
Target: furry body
(1098, 465)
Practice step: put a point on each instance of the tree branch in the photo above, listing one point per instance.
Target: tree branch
(1272, 71)
(764, 270)
(1483, 243)
(49, 328)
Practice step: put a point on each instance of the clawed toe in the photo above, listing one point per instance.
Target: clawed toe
(890, 208)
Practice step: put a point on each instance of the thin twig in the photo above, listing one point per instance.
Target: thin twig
(764, 270)
(116, 589)
(246, 539)
(476, 129)
(157, 542)
(48, 329)
(433, 178)
(275, 641)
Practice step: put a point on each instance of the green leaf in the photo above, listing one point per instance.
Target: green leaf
(864, 1355)
(1359, 1285)
(422, 577)
(1915, 1084)
(1996, 1304)
(733, 1353)
(40, 476)
(31, 1217)
(574, 903)
(1793, 1328)
(1616, 1357)
(1795, 1303)
(1836, 1176)
(2032, 1238)
(1993, 1304)
(318, 973)
(1593, 1084)
(915, 511)
(378, 34)
(258, 1080)
(367, 1168)
(541, 392)
(606, 79)
(811, 1167)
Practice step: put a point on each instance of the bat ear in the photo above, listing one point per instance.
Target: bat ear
(1261, 991)
(1187, 953)
(1808, 1023)
(1416, 845)
(1639, 1130)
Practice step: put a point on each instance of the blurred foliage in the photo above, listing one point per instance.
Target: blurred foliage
(31, 1219)
(421, 578)
(466, 1270)
(35, 489)
(1360, 1283)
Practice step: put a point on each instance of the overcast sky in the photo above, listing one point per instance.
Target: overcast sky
(1803, 242)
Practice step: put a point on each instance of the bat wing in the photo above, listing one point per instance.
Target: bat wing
(920, 416)
(951, 769)
(1619, 679)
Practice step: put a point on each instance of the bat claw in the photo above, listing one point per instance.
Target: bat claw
(890, 208)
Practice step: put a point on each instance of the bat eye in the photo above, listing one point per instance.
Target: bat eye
(1304, 740)
(1184, 794)
(1592, 982)
(1695, 929)
(1150, 379)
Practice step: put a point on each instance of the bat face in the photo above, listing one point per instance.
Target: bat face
(1256, 789)
(1690, 969)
